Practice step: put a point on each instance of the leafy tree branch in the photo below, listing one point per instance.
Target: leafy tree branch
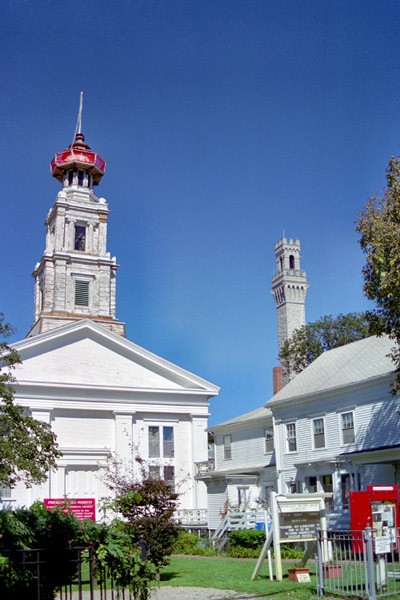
(28, 447)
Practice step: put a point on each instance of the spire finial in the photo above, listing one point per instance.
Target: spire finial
(78, 128)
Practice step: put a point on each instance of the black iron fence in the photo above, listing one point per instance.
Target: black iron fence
(67, 574)
(364, 564)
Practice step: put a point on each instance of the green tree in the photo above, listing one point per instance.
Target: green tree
(379, 226)
(28, 447)
(310, 341)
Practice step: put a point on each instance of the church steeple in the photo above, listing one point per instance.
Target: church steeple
(76, 277)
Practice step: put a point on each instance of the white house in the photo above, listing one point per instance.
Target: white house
(333, 428)
(102, 394)
(336, 425)
(243, 469)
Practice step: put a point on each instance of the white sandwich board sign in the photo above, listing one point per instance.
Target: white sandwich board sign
(295, 518)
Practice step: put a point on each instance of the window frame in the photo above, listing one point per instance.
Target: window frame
(290, 438)
(169, 480)
(343, 428)
(268, 429)
(80, 237)
(227, 446)
(165, 448)
(315, 434)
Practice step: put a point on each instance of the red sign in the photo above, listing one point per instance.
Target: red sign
(82, 508)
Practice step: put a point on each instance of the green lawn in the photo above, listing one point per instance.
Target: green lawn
(234, 575)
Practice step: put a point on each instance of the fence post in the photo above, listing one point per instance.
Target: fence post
(320, 575)
(370, 563)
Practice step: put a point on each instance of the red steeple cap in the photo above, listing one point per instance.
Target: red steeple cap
(78, 156)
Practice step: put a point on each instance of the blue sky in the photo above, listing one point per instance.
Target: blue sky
(223, 124)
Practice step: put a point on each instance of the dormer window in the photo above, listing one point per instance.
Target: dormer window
(80, 238)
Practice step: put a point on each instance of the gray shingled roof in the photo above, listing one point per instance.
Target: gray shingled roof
(353, 363)
(253, 415)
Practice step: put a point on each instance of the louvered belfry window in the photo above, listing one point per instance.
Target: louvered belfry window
(81, 293)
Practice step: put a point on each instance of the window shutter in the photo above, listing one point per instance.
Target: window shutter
(81, 293)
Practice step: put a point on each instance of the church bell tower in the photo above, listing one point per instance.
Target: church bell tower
(76, 276)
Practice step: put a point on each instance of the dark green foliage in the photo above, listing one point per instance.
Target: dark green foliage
(310, 341)
(147, 505)
(379, 226)
(58, 534)
(54, 532)
(28, 447)
(246, 538)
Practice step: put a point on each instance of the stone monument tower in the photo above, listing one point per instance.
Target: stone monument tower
(289, 288)
(75, 278)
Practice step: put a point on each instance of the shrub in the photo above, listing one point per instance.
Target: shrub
(191, 544)
(58, 533)
(246, 538)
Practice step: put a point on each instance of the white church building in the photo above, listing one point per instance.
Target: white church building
(103, 395)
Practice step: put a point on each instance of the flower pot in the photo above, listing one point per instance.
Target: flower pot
(331, 571)
(299, 574)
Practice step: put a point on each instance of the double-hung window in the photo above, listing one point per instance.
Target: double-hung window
(269, 438)
(347, 427)
(227, 447)
(291, 437)
(169, 475)
(319, 433)
(161, 438)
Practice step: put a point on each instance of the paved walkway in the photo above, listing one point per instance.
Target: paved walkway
(193, 593)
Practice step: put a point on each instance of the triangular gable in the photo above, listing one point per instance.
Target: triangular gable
(85, 353)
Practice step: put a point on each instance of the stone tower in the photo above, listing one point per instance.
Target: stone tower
(75, 278)
(289, 288)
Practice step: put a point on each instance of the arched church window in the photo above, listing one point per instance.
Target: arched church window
(291, 261)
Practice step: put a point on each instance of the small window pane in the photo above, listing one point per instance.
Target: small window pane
(154, 472)
(291, 437)
(169, 476)
(168, 442)
(81, 293)
(80, 178)
(348, 428)
(319, 433)
(154, 442)
(269, 439)
(5, 492)
(227, 447)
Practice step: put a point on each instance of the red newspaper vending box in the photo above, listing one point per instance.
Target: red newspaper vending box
(377, 507)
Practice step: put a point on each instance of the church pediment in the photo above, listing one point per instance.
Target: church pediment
(85, 353)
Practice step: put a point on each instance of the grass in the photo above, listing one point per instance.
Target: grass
(235, 575)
